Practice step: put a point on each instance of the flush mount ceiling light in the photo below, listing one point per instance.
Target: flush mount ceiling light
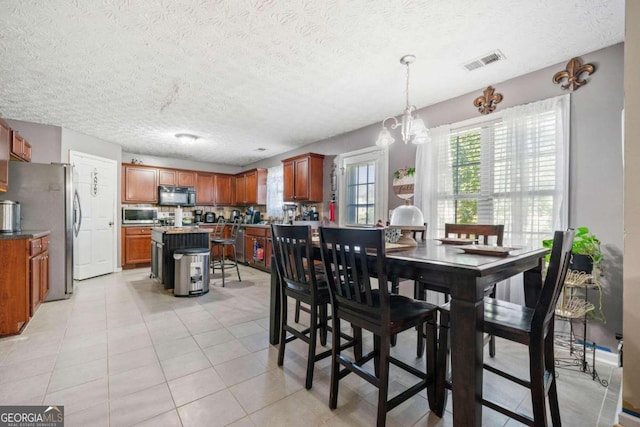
(186, 137)
(412, 128)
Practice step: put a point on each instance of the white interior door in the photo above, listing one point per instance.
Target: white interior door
(95, 242)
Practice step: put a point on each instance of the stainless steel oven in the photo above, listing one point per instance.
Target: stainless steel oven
(139, 215)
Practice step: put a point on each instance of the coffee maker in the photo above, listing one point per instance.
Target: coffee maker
(197, 216)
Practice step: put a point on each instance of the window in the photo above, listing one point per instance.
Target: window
(512, 170)
(275, 192)
(363, 184)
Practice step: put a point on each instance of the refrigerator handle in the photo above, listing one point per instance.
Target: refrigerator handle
(77, 213)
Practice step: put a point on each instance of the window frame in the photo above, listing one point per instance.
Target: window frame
(381, 159)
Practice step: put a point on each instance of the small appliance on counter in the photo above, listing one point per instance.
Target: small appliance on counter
(209, 217)
(252, 217)
(197, 216)
(235, 214)
(9, 216)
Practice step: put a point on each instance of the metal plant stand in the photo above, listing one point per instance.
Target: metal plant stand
(574, 309)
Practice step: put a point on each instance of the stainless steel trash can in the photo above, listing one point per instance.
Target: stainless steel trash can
(192, 272)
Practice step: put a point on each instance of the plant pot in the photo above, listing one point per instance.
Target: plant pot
(581, 263)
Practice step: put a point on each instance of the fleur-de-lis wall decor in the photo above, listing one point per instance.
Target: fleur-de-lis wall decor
(574, 69)
(488, 101)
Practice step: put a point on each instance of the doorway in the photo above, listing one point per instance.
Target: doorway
(95, 236)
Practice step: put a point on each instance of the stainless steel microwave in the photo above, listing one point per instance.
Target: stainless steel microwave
(141, 215)
(176, 196)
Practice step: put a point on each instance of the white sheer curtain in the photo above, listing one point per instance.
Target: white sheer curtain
(523, 175)
(275, 191)
(431, 179)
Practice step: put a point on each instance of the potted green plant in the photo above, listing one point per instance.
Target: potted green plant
(586, 252)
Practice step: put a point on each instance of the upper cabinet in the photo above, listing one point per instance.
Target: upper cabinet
(223, 189)
(20, 148)
(5, 144)
(302, 178)
(251, 187)
(176, 177)
(139, 184)
(204, 189)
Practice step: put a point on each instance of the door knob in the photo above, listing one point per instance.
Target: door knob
(110, 223)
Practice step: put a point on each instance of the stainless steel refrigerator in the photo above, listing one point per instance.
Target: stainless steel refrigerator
(49, 202)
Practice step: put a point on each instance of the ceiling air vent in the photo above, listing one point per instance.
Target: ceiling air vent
(487, 59)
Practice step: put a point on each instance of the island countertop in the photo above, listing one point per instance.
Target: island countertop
(24, 234)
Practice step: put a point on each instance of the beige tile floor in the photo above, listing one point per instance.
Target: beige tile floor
(124, 352)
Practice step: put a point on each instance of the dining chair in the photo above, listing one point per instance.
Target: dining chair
(533, 327)
(219, 244)
(484, 234)
(352, 257)
(292, 250)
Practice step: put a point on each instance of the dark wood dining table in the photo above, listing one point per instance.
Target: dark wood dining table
(466, 276)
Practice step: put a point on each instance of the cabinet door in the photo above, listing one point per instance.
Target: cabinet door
(137, 249)
(44, 276)
(251, 186)
(204, 189)
(288, 171)
(166, 177)
(26, 151)
(241, 189)
(186, 179)
(223, 192)
(140, 184)
(301, 179)
(35, 277)
(5, 146)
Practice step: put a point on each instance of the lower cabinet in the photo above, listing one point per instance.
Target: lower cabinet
(257, 248)
(136, 247)
(24, 281)
(39, 271)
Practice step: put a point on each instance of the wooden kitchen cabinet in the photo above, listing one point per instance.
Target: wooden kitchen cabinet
(24, 280)
(136, 247)
(139, 184)
(20, 148)
(175, 177)
(302, 178)
(223, 189)
(204, 189)
(39, 271)
(251, 187)
(5, 148)
(259, 257)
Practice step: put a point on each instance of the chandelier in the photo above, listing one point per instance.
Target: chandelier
(412, 128)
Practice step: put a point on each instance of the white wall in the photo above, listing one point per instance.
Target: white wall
(631, 375)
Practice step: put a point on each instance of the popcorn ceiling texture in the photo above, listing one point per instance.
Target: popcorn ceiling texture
(245, 74)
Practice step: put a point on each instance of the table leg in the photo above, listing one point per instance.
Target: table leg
(274, 306)
(467, 312)
(532, 281)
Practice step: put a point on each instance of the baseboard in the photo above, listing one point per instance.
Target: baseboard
(626, 420)
(118, 270)
(608, 357)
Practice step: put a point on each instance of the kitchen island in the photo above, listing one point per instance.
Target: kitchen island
(165, 241)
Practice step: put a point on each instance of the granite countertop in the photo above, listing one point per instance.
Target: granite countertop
(24, 234)
(181, 230)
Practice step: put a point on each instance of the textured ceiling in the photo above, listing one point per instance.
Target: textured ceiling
(274, 74)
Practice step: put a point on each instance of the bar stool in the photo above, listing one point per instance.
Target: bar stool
(219, 243)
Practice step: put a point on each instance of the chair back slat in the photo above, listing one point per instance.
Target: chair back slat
(292, 251)
(554, 280)
(218, 229)
(481, 232)
(234, 228)
(352, 257)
